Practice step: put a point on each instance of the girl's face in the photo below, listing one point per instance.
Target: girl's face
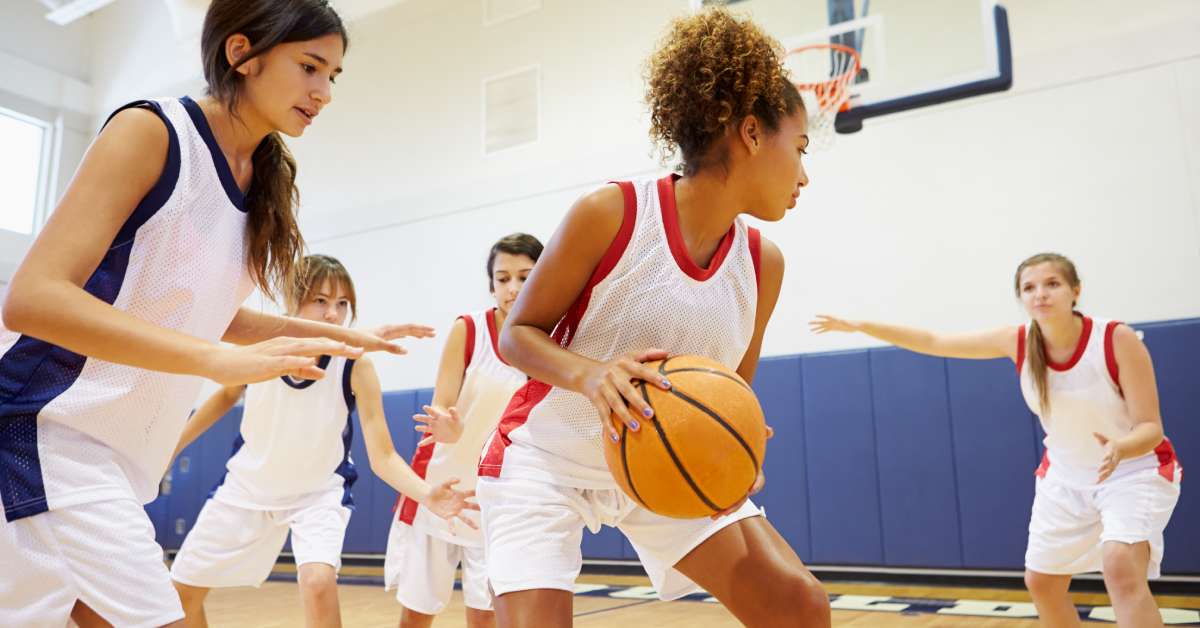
(509, 273)
(330, 303)
(1046, 293)
(775, 171)
(288, 85)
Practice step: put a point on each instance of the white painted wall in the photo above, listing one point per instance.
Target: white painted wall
(921, 218)
(47, 67)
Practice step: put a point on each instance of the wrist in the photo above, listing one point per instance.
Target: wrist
(205, 361)
(423, 492)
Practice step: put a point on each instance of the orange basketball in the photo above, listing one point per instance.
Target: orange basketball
(702, 451)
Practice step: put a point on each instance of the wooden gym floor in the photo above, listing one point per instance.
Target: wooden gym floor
(276, 605)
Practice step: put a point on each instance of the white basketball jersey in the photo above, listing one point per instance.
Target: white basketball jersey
(646, 293)
(74, 429)
(294, 445)
(1086, 398)
(488, 385)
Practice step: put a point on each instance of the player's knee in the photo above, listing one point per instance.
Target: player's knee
(319, 584)
(189, 596)
(1122, 577)
(806, 598)
(1040, 584)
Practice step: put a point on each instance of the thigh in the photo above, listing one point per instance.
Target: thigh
(476, 593)
(229, 546)
(1136, 510)
(36, 587)
(662, 542)
(422, 569)
(532, 535)
(1064, 531)
(116, 564)
(318, 533)
(748, 553)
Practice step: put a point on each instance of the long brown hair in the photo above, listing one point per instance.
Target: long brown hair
(275, 243)
(1035, 352)
(310, 277)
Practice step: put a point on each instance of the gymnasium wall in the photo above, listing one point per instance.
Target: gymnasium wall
(49, 69)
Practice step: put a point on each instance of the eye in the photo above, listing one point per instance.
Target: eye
(308, 68)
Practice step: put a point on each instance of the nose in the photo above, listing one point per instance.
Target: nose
(331, 314)
(803, 176)
(323, 94)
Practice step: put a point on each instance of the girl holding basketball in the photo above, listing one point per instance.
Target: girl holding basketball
(637, 271)
(1109, 479)
(474, 384)
(177, 211)
(291, 469)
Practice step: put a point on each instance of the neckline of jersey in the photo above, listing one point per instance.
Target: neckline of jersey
(224, 173)
(1080, 347)
(670, 219)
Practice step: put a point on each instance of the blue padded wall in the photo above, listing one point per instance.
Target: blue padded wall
(917, 483)
(881, 457)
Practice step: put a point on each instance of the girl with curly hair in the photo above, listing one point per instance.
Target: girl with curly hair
(639, 270)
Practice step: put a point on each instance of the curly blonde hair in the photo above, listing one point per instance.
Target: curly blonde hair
(710, 71)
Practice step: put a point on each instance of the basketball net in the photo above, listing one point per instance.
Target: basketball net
(823, 74)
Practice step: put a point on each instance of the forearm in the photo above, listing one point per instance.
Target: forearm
(391, 468)
(910, 338)
(60, 312)
(537, 355)
(249, 327)
(1141, 440)
(208, 414)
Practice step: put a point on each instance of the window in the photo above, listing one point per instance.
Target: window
(21, 144)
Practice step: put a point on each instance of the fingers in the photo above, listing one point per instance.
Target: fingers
(640, 371)
(424, 429)
(390, 332)
(650, 355)
(618, 408)
(307, 347)
(422, 418)
(426, 441)
(610, 428)
(466, 521)
(308, 372)
(632, 399)
(770, 432)
(1100, 437)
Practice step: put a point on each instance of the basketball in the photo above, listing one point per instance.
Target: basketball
(702, 451)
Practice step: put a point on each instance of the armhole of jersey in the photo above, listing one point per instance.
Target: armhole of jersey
(1020, 349)
(1110, 356)
(347, 388)
(619, 243)
(755, 238)
(469, 345)
(163, 187)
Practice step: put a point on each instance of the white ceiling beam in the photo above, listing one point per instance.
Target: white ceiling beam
(74, 10)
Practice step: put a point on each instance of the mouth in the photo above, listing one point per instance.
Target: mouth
(306, 114)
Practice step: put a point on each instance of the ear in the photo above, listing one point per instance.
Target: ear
(750, 132)
(1077, 290)
(237, 46)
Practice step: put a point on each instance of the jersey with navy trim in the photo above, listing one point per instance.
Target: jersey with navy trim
(488, 385)
(294, 444)
(76, 429)
(646, 293)
(1085, 398)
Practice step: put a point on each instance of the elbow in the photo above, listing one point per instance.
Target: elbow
(16, 312)
(509, 345)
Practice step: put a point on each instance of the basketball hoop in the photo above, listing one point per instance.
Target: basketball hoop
(823, 74)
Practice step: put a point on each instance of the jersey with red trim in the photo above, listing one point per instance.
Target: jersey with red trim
(1085, 399)
(488, 385)
(645, 293)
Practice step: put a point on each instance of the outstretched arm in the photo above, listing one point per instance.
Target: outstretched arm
(978, 345)
(442, 499)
